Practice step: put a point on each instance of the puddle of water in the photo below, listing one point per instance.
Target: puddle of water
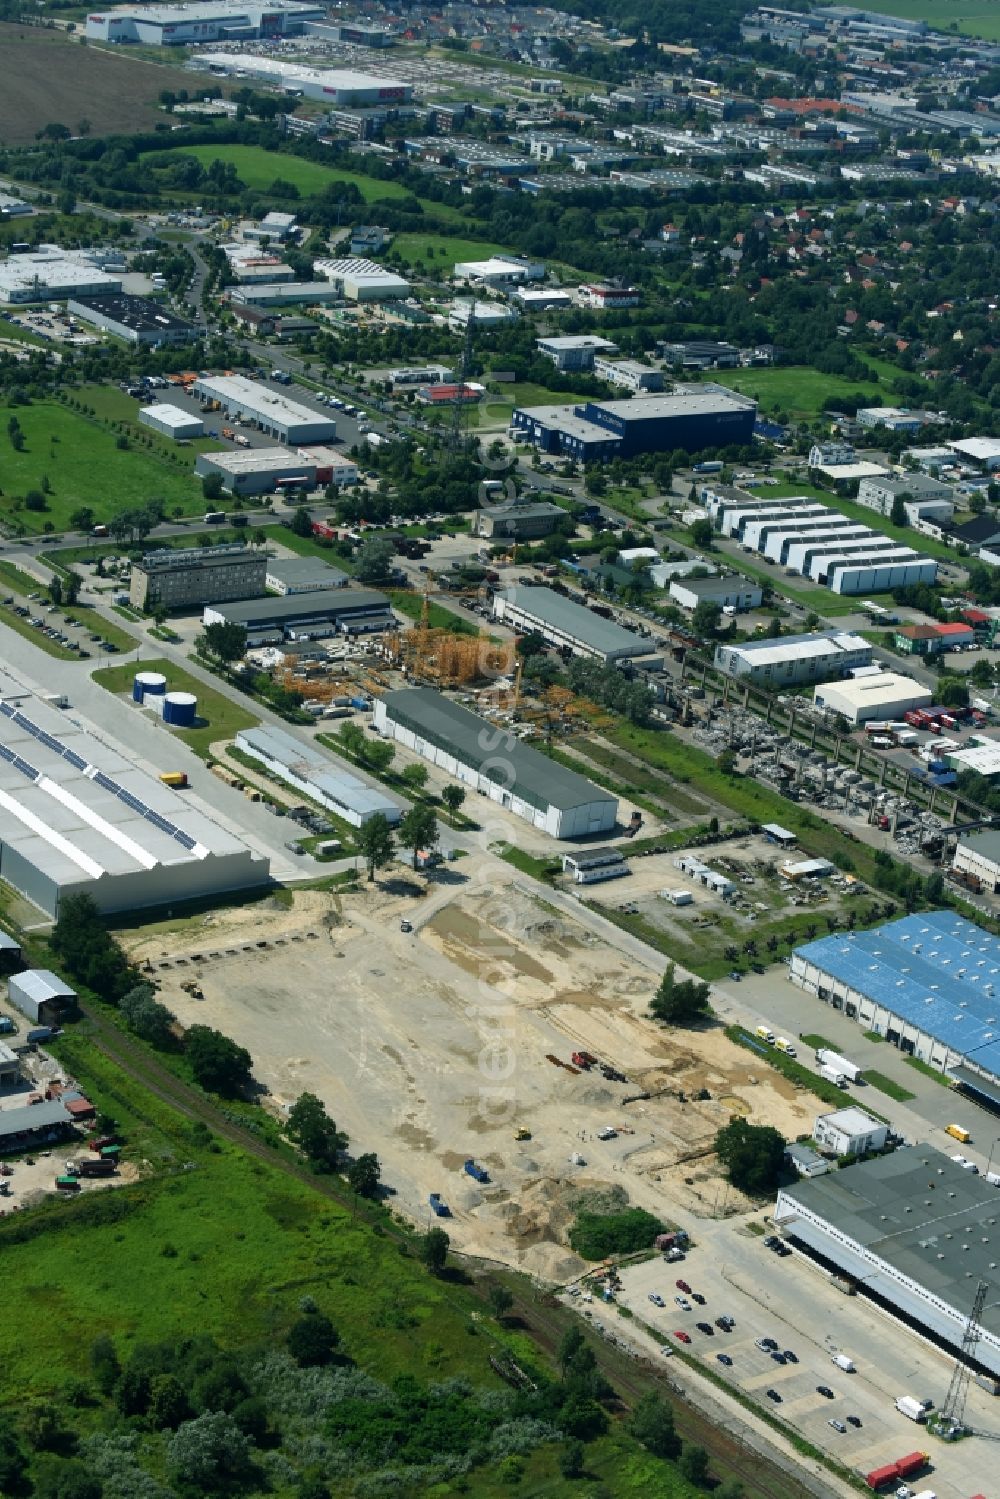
(477, 948)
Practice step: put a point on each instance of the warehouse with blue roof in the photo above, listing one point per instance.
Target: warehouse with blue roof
(929, 983)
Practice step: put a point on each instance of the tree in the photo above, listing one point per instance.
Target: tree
(571, 1460)
(352, 737)
(210, 1452)
(13, 1463)
(374, 562)
(680, 1001)
(897, 514)
(65, 1478)
(316, 1134)
(374, 843)
(418, 831)
(706, 618)
(312, 1340)
(71, 588)
(89, 951)
(219, 1064)
(434, 1250)
(652, 1424)
(211, 486)
(453, 797)
(301, 522)
(727, 761)
(953, 693)
(82, 518)
(168, 1403)
(753, 1155)
(35, 500)
(415, 777)
(144, 1014)
(501, 1300)
(104, 1366)
(702, 534)
(364, 1175)
(56, 591)
(693, 1465)
(225, 641)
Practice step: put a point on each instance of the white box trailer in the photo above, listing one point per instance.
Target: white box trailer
(843, 1361)
(849, 1069)
(911, 1408)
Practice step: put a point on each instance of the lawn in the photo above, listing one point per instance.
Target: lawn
(308, 546)
(218, 716)
(795, 390)
(885, 1085)
(438, 617)
(258, 168)
(436, 251)
(973, 17)
(79, 461)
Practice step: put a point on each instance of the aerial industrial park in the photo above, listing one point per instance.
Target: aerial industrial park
(500, 750)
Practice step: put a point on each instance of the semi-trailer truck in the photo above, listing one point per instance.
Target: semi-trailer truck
(833, 1075)
(850, 1069)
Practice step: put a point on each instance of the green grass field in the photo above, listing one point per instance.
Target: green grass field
(973, 17)
(258, 168)
(220, 718)
(440, 251)
(231, 1245)
(438, 617)
(83, 466)
(795, 390)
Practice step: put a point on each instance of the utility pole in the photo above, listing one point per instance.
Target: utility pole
(462, 376)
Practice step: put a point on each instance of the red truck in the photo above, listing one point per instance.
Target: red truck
(583, 1059)
(100, 1141)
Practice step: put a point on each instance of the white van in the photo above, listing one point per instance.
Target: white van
(783, 1044)
(763, 1034)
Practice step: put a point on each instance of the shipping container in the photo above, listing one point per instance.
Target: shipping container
(479, 1173)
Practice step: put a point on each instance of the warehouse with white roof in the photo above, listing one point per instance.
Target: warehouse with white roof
(46, 277)
(210, 21)
(361, 280)
(791, 659)
(79, 816)
(564, 623)
(318, 776)
(272, 412)
(807, 538)
(872, 696)
(336, 87)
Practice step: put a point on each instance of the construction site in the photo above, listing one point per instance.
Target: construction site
(455, 1039)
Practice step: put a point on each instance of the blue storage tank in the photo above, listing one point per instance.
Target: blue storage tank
(148, 684)
(179, 709)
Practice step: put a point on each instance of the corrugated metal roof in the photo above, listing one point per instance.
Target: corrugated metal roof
(937, 972)
(320, 771)
(34, 1116)
(41, 984)
(486, 747)
(573, 619)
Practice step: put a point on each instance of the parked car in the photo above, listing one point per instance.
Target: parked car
(683, 1303)
(837, 1425)
(825, 1391)
(790, 1357)
(726, 1322)
(698, 1297)
(853, 1421)
(706, 1328)
(682, 1337)
(682, 1285)
(725, 1359)
(778, 1357)
(656, 1298)
(773, 1395)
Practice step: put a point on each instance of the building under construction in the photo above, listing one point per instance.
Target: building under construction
(917, 1233)
(442, 658)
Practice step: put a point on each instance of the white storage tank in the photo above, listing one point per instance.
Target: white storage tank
(179, 709)
(148, 684)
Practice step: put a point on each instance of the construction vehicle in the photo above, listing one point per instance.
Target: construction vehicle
(584, 1059)
(228, 432)
(521, 1133)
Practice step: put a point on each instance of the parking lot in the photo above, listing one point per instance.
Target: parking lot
(791, 1302)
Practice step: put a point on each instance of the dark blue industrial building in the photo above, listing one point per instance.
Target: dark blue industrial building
(596, 430)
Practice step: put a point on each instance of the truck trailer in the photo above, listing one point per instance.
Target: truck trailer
(833, 1075)
(911, 1408)
(850, 1069)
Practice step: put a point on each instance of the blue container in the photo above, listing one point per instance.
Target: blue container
(363, 703)
(179, 709)
(148, 684)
